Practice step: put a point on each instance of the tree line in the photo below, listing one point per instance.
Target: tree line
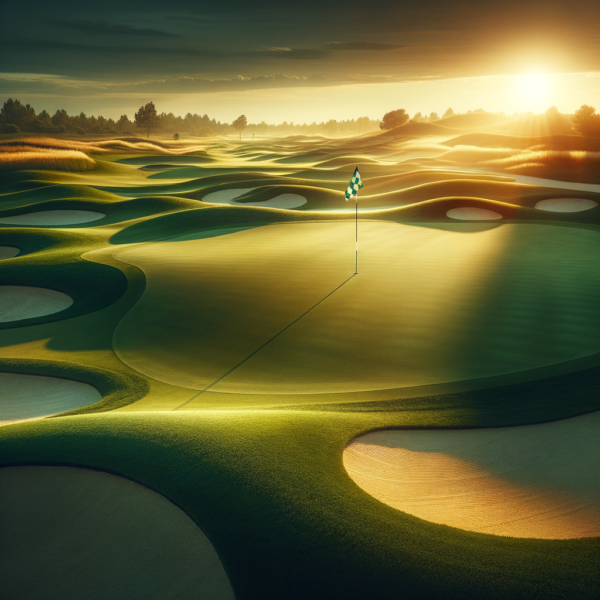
(16, 117)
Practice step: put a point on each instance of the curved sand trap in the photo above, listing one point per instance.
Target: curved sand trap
(285, 201)
(19, 302)
(566, 205)
(98, 536)
(54, 217)
(225, 196)
(8, 252)
(538, 481)
(471, 213)
(34, 396)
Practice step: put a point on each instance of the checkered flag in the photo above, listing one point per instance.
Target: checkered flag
(354, 185)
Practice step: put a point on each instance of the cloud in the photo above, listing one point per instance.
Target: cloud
(55, 85)
(103, 27)
(365, 46)
(290, 53)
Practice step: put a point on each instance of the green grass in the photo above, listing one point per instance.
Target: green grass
(262, 474)
(270, 491)
(56, 264)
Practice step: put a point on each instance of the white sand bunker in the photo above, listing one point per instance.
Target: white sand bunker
(54, 217)
(566, 205)
(537, 481)
(8, 252)
(19, 302)
(98, 536)
(27, 397)
(286, 201)
(471, 213)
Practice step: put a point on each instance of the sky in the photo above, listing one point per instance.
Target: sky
(303, 61)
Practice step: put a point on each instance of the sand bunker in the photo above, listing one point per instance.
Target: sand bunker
(471, 213)
(226, 196)
(286, 201)
(19, 302)
(566, 205)
(537, 481)
(54, 217)
(27, 397)
(8, 252)
(98, 536)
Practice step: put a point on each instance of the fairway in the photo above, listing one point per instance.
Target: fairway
(201, 398)
(430, 305)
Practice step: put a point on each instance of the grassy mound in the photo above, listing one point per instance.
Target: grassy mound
(60, 267)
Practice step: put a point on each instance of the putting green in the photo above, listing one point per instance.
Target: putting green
(431, 305)
(515, 481)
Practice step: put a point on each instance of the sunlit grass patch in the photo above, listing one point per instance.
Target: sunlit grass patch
(548, 158)
(55, 160)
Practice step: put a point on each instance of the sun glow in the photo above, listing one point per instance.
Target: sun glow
(533, 90)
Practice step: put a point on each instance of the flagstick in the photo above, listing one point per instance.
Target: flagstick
(356, 268)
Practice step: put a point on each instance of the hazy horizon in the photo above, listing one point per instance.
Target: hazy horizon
(311, 63)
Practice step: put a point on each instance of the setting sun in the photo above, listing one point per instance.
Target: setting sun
(533, 90)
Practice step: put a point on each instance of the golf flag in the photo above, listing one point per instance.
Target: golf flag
(354, 185)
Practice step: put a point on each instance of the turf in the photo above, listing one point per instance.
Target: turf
(495, 324)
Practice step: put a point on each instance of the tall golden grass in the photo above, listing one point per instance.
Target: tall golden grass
(54, 160)
(96, 147)
(548, 158)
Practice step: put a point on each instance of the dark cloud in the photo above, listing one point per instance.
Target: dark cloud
(103, 27)
(290, 53)
(192, 45)
(366, 46)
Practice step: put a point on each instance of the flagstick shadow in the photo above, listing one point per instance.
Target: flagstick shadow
(208, 387)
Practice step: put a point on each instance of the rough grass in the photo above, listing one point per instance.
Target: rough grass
(55, 160)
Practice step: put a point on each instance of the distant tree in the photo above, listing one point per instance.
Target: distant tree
(240, 124)
(586, 121)
(204, 132)
(419, 118)
(552, 111)
(45, 118)
(59, 118)
(175, 136)
(10, 128)
(38, 126)
(15, 113)
(433, 117)
(448, 113)
(147, 118)
(123, 123)
(393, 120)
